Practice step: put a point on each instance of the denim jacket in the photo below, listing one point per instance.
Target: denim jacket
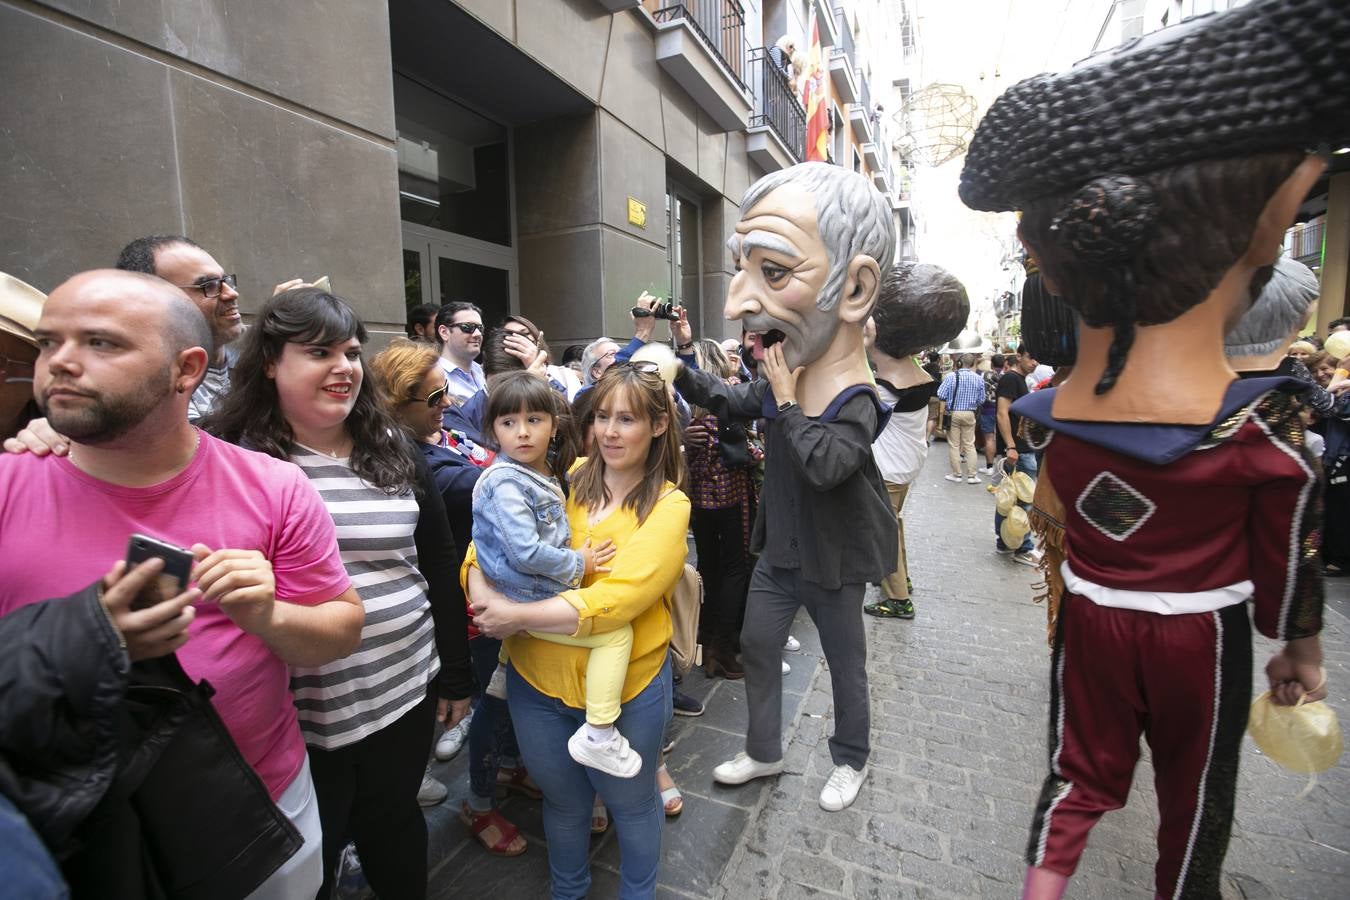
(521, 533)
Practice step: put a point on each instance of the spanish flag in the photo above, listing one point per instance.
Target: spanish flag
(814, 99)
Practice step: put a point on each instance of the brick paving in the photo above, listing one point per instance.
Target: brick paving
(959, 734)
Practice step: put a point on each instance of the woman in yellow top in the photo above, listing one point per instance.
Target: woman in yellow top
(623, 492)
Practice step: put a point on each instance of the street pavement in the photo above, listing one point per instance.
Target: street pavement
(959, 726)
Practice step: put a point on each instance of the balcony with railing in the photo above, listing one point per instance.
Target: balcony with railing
(702, 45)
(1304, 241)
(776, 137)
(843, 62)
(860, 113)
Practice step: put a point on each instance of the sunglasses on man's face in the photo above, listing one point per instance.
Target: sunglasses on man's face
(210, 287)
(468, 327)
(435, 397)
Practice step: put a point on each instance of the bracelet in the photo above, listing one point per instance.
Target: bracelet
(683, 347)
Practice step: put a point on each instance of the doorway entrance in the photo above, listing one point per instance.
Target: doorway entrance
(439, 268)
(683, 228)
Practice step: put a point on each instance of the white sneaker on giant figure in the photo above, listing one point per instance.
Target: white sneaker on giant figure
(841, 789)
(742, 769)
(792, 645)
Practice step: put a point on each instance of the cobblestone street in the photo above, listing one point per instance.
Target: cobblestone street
(959, 732)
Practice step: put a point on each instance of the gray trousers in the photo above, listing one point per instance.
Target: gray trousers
(775, 595)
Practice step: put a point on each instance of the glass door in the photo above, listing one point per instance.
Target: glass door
(683, 228)
(440, 268)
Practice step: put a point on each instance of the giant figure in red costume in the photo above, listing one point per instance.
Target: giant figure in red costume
(1155, 186)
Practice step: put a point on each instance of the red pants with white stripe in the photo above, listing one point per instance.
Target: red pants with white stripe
(1181, 681)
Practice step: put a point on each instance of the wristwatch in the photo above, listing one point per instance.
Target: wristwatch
(786, 405)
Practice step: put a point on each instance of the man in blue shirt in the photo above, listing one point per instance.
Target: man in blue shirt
(963, 392)
(459, 330)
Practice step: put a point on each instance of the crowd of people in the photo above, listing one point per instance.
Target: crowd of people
(275, 571)
(328, 616)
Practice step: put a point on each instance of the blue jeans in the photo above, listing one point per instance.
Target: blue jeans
(569, 789)
(1026, 462)
(492, 739)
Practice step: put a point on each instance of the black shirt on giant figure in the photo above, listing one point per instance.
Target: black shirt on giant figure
(807, 248)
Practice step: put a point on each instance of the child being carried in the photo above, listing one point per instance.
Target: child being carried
(523, 542)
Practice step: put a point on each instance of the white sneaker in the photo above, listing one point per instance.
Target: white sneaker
(452, 740)
(786, 667)
(432, 791)
(743, 769)
(497, 683)
(985, 470)
(792, 645)
(842, 787)
(972, 480)
(1028, 558)
(613, 757)
(950, 477)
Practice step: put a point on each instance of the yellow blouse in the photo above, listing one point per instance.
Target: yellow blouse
(648, 563)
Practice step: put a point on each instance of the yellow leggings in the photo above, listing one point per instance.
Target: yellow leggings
(606, 668)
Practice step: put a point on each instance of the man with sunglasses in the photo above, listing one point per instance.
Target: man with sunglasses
(184, 264)
(459, 331)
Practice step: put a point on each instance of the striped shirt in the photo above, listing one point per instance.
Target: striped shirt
(346, 700)
(969, 390)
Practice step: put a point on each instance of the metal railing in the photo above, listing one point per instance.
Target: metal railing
(845, 44)
(866, 92)
(775, 104)
(1304, 242)
(719, 23)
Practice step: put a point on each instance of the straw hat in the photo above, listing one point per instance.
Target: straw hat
(20, 307)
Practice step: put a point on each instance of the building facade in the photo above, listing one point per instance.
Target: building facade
(553, 158)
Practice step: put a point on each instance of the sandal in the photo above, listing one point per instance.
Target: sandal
(518, 780)
(599, 817)
(672, 801)
(497, 835)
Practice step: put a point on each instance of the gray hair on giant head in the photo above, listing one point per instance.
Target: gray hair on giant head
(852, 216)
(1281, 307)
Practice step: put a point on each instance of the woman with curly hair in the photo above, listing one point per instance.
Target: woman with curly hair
(300, 394)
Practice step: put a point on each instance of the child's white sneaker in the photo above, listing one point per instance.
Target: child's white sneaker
(613, 756)
(497, 683)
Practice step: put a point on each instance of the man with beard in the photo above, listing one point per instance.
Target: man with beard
(183, 263)
(120, 354)
(809, 247)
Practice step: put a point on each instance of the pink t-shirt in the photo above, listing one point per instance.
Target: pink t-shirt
(61, 530)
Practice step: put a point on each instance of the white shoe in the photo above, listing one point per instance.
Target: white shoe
(950, 477)
(786, 667)
(986, 470)
(842, 787)
(1028, 558)
(452, 740)
(497, 683)
(432, 791)
(972, 480)
(792, 645)
(743, 769)
(613, 757)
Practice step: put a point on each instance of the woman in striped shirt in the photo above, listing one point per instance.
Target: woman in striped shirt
(299, 394)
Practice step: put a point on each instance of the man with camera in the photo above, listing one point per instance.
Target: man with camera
(120, 354)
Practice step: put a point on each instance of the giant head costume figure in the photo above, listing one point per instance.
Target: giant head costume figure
(811, 245)
(1156, 184)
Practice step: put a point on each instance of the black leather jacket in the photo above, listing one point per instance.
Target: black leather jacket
(125, 770)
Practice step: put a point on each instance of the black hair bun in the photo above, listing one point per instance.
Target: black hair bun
(1107, 219)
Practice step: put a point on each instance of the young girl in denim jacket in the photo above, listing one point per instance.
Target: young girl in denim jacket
(523, 543)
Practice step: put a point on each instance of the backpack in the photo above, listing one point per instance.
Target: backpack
(990, 388)
(685, 605)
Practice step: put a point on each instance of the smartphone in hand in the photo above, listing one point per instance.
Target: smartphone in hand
(174, 577)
